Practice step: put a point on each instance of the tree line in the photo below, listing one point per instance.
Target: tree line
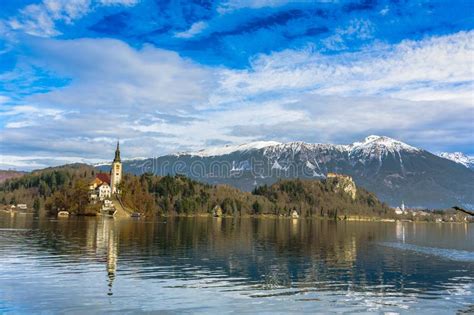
(67, 188)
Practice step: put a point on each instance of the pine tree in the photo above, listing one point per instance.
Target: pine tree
(36, 204)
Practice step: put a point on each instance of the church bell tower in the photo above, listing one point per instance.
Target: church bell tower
(116, 171)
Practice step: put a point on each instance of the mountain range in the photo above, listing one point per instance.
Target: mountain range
(395, 171)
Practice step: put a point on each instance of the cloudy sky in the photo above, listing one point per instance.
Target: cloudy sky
(168, 76)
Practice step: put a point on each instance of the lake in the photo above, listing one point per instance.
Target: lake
(208, 265)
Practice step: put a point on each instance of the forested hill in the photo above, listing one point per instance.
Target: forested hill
(36, 189)
(66, 187)
(4, 175)
(181, 195)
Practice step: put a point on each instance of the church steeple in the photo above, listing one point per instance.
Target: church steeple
(117, 153)
(116, 171)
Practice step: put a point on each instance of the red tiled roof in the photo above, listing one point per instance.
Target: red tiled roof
(103, 177)
(96, 182)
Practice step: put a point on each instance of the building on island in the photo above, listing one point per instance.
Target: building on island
(104, 185)
(401, 210)
(96, 182)
(100, 188)
(104, 191)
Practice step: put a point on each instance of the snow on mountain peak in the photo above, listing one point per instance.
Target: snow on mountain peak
(373, 138)
(228, 149)
(371, 145)
(459, 157)
(381, 143)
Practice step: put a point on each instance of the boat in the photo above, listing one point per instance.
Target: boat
(136, 215)
(63, 214)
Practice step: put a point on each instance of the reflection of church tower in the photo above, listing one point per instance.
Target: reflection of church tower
(112, 254)
(116, 171)
(107, 240)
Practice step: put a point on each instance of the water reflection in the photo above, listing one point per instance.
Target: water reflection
(401, 231)
(107, 239)
(351, 266)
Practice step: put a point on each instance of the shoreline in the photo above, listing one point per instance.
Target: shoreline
(354, 218)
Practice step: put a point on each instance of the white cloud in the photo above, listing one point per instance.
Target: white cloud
(110, 75)
(384, 11)
(41, 19)
(28, 163)
(406, 70)
(20, 124)
(67, 11)
(220, 124)
(345, 119)
(194, 30)
(356, 29)
(29, 110)
(4, 99)
(26, 116)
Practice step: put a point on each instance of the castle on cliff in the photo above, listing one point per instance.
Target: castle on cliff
(343, 183)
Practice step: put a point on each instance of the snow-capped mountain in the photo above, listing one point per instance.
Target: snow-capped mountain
(459, 157)
(394, 170)
(375, 146)
(228, 149)
(371, 147)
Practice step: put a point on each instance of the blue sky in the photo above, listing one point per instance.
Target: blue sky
(167, 76)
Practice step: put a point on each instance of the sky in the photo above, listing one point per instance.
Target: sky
(173, 76)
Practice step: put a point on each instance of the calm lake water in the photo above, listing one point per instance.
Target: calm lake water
(208, 265)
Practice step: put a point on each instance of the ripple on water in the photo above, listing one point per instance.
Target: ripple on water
(451, 254)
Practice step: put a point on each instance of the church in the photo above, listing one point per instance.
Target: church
(116, 171)
(105, 185)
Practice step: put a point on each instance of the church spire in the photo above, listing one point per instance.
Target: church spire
(117, 153)
(116, 171)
